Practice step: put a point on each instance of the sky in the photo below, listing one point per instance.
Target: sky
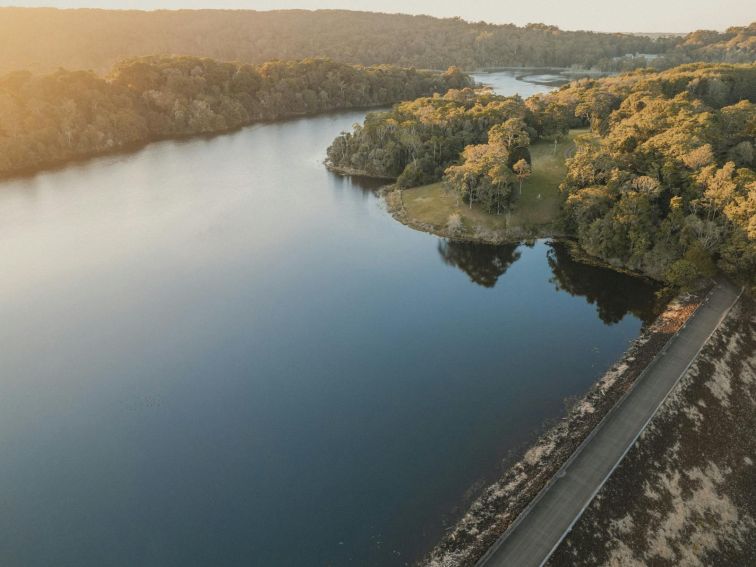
(598, 15)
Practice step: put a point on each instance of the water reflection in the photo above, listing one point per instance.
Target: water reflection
(191, 326)
(366, 184)
(614, 294)
(484, 263)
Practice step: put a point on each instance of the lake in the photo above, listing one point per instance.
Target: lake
(216, 352)
(507, 83)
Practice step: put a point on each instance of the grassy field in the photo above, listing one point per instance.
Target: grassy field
(535, 210)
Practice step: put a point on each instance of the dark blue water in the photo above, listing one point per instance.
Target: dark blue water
(215, 352)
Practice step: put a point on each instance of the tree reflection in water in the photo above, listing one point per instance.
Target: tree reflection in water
(367, 186)
(613, 293)
(484, 263)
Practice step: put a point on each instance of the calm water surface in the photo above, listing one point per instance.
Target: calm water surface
(215, 352)
(506, 83)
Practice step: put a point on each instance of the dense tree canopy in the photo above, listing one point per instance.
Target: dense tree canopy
(486, 172)
(667, 185)
(735, 45)
(477, 142)
(42, 40)
(416, 141)
(45, 119)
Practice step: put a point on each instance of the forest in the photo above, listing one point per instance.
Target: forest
(667, 187)
(42, 40)
(417, 140)
(476, 141)
(735, 45)
(68, 114)
(664, 186)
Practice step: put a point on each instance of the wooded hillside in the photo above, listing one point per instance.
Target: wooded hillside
(669, 186)
(665, 186)
(42, 40)
(68, 114)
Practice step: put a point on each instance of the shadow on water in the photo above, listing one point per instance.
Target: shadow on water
(484, 263)
(366, 185)
(614, 294)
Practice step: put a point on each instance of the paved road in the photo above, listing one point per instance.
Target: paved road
(530, 541)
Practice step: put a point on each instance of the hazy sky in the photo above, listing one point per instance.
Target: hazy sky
(600, 15)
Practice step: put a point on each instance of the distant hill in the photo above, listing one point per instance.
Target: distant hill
(44, 39)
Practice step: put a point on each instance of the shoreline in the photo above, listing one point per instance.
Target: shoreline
(131, 148)
(525, 74)
(501, 502)
(498, 504)
(565, 70)
(392, 197)
(353, 172)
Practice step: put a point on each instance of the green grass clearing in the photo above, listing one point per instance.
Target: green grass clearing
(537, 207)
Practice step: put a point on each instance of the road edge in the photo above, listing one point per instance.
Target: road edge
(562, 469)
